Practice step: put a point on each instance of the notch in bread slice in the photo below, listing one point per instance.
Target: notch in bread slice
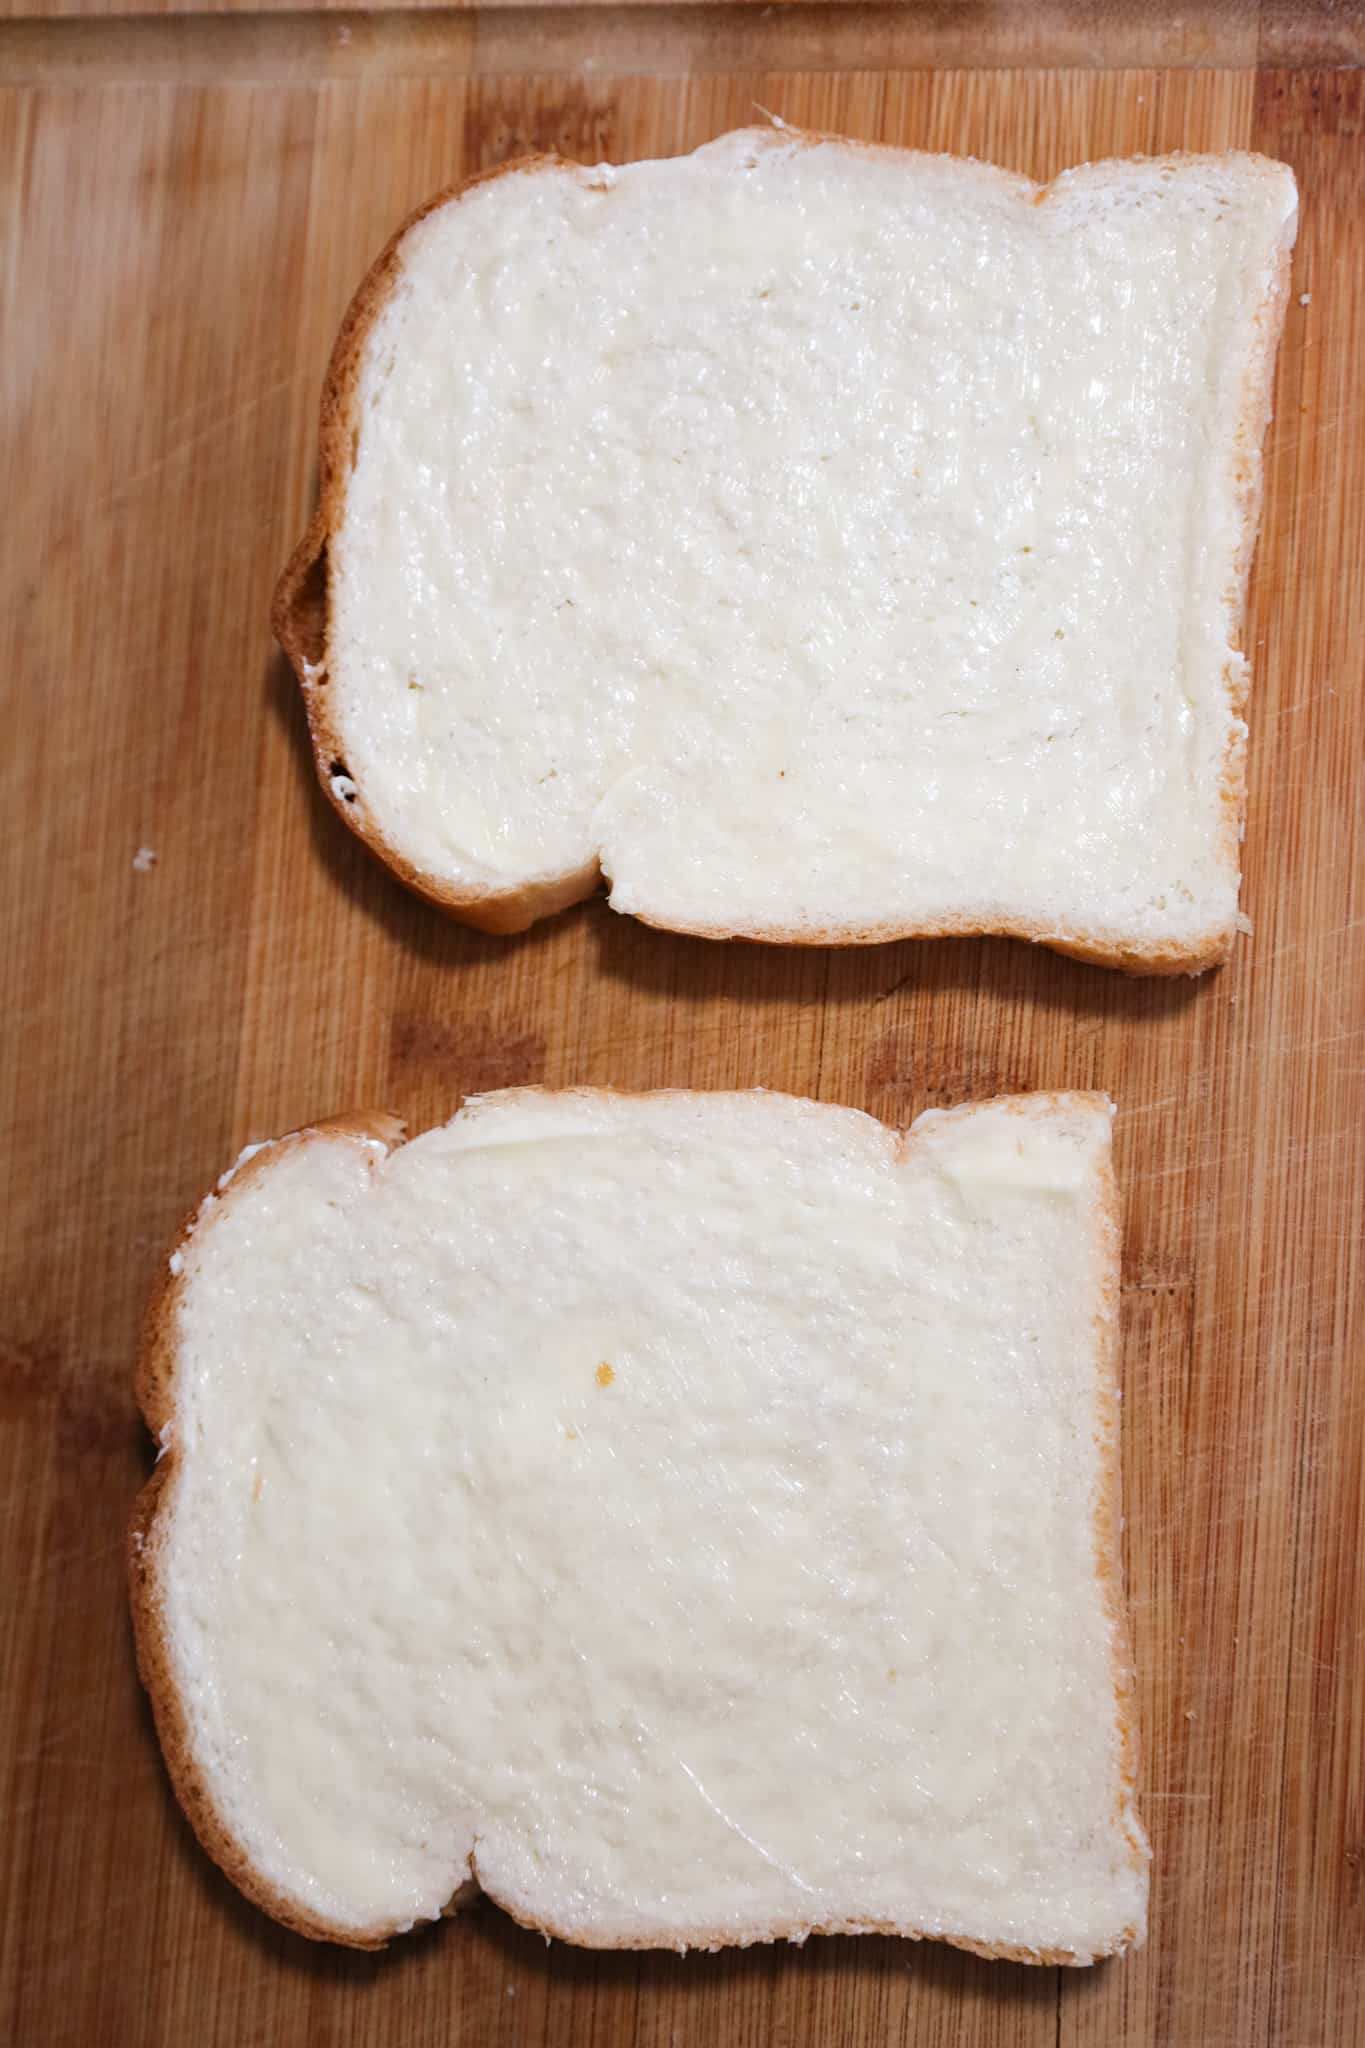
(822, 543)
(691, 1518)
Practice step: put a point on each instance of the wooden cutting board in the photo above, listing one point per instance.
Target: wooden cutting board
(187, 204)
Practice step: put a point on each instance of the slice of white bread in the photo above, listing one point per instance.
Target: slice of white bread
(691, 1518)
(824, 543)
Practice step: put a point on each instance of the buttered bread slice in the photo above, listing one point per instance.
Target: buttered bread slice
(821, 543)
(691, 1518)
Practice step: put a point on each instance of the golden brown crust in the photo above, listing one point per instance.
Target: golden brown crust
(300, 620)
(1166, 959)
(758, 1937)
(1108, 1514)
(1254, 418)
(299, 614)
(155, 1385)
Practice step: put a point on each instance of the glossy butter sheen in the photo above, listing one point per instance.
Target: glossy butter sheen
(816, 535)
(682, 1508)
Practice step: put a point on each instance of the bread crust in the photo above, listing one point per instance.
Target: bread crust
(299, 614)
(155, 1384)
(300, 618)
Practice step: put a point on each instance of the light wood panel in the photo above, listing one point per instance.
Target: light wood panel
(277, 41)
(176, 259)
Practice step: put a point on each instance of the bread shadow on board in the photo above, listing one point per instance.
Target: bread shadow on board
(690, 970)
(686, 970)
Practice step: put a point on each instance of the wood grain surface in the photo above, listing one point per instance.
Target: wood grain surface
(176, 254)
(273, 40)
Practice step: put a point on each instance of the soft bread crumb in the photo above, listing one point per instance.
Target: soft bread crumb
(675, 793)
(766, 1277)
